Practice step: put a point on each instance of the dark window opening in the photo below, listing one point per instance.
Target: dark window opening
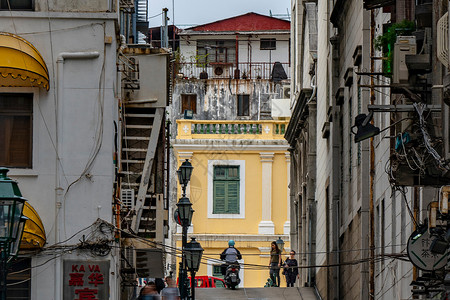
(268, 44)
(189, 102)
(16, 134)
(243, 105)
(19, 280)
(16, 4)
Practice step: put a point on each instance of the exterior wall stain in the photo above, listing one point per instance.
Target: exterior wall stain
(217, 98)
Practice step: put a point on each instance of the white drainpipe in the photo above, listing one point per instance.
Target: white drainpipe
(59, 222)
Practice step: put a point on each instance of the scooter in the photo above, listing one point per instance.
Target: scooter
(232, 276)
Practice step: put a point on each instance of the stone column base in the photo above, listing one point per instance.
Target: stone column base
(266, 227)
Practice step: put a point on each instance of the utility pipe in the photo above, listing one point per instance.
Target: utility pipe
(59, 222)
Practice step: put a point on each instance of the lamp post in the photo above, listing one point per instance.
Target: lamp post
(280, 244)
(194, 252)
(185, 213)
(11, 225)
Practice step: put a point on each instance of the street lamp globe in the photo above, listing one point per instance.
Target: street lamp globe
(185, 211)
(194, 252)
(185, 172)
(280, 244)
(11, 208)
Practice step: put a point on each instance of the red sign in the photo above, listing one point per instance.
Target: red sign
(86, 280)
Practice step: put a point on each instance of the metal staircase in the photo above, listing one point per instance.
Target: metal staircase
(141, 205)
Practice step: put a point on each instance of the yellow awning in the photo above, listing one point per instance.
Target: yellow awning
(34, 232)
(20, 63)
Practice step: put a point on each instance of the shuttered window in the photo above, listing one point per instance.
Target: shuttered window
(16, 118)
(189, 101)
(226, 190)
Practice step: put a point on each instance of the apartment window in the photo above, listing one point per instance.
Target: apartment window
(19, 280)
(217, 271)
(268, 44)
(243, 105)
(213, 51)
(226, 190)
(16, 120)
(16, 4)
(189, 101)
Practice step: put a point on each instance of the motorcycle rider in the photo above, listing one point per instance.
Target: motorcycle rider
(230, 255)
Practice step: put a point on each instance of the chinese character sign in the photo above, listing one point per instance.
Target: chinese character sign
(86, 279)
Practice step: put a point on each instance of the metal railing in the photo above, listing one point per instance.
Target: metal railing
(254, 70)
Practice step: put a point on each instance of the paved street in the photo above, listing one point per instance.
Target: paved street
(256, 293)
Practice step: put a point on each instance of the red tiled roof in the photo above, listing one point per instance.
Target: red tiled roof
(247, 22)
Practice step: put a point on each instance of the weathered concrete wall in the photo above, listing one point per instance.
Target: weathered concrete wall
(216, 99)
(76, 6)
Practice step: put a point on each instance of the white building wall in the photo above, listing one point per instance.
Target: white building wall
(88, 105)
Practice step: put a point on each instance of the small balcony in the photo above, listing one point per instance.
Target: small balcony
(227, 129)
(254, 70)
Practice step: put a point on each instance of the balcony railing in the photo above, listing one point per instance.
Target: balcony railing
(206, 129)
(254, 70)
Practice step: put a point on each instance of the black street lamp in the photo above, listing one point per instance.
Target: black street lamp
(194, 252)
(185, 213)
(280, 244)
(11, 225)
(184, 174)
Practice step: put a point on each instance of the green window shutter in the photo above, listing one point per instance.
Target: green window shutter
(219, 197)
(233, 197)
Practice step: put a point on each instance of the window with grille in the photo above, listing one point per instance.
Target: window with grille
(243, 105)
(189, 102)
(226, 190)
(16, 4)
(16, 134)
(268, 44)
(212, 51)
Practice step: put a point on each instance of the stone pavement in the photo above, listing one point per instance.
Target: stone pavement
(256, 293)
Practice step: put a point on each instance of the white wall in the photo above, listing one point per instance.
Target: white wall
(88, 100)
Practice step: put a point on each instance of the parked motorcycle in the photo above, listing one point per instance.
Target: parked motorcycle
(232, 279)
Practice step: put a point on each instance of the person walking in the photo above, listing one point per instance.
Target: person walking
(291, 270)
(170, 292)
(149, 292)
(275, 264)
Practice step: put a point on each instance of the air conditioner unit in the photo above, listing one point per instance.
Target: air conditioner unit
(286, 92)
(405, 45)
(222, 71)
(127, 197)
(442, 40)
(129, 258)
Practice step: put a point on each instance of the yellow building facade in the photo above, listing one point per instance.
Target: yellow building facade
(239, 190)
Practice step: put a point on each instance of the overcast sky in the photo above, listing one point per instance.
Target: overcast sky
(196, 12)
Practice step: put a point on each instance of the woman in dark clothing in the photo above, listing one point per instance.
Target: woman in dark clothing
(275, 264)
(291, 270)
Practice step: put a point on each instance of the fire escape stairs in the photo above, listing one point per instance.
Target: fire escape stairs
(141, 130)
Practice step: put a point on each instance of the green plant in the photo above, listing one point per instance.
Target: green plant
(386, 41)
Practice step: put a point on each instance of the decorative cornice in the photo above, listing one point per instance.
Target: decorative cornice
(299, 115)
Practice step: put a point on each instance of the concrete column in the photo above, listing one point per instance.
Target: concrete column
(266, 225)
(287, 224)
